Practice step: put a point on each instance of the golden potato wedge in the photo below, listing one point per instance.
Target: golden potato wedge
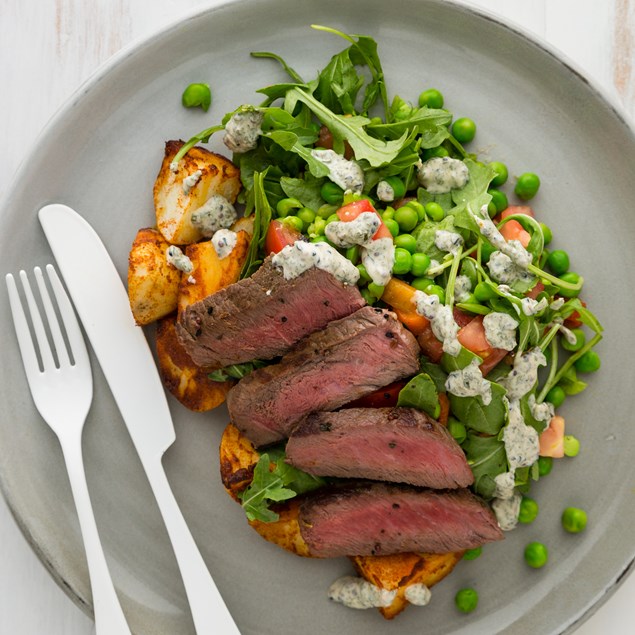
(400, 570)
(238, 458)
(186, 381)
(244, 223)
(174, 207)
(211, 273)
(153, 284)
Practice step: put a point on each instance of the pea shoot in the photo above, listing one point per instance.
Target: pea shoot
(197, 95)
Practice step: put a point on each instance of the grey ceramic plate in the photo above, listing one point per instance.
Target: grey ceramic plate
(101, 154)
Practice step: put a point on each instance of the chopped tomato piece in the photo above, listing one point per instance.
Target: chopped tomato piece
(533, 293)
(472, 337)
(430, 345)
(461, 318)
(382, 398)
(552, 439)
(491, 360)
(574, 321)
(353, 210)
(444, 414)
(517, 209)
(513, 230)
(279, 236)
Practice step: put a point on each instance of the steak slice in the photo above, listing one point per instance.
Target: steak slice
(400, 445)
(263, 316)
(351, 357)
(380, 519)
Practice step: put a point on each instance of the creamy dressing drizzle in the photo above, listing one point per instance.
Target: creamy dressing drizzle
(378, 256)
(418, 594)
(224, 241)
(385, 192)
(503, 269)
(216, 213)
(469, 382)
(190, 181)
(178, 259)
(295, 259)
(524, 374)
(544, 411)
(462, 288)
(448, 241)
(442, 321)
(533, 307)
(500, 330)
(441, 175)
(347, 174)
(243, 129)
(357, 593)
(507, 510)
(358, 231)
(521, 440)
(557, 304)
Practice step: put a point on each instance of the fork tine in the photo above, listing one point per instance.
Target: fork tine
(48, 363)
(56, 332)
(27, 350)
(73, 331)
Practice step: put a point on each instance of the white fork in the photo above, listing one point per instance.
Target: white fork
(63, 393)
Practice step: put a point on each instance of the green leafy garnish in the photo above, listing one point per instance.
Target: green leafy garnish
(421, 393)
(236, 371)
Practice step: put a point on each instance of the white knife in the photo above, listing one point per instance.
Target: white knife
(102, 303)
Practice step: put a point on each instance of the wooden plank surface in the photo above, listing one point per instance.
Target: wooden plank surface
(48, 48)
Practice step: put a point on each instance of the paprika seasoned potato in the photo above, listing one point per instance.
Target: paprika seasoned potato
(174, 203)
(153, 283)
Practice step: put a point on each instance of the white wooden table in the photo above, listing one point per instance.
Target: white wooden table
(48, 48)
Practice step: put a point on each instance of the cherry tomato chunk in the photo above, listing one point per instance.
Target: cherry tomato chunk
(279, 235)
(353, 210)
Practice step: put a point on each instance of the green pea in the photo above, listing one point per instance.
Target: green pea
(388, 214)
(332, 193)
(364, 278)
(420, 209)
(571, 445)
(545, 465)
(325, 211)
(484, 292)
(434, 211)
(294, 221)
(376, 290)
(472, 554)
(457, 430)
(352, 253)
(580, 341)
(527, 186)
(546, 233)
(491, 209)
(321, 239)
(573, 278)
(501, 173)
(536, 555)
(407, 242)
(556, 396)
(407, 218)
(286, 205)
(333, 218)
(528, 510)
(403, 261)
(306, 215)
(393, 226)
(420, 264)
(435, 289)
(376, 121)
(431, 98)
(368, 297)
(431, 153)
(397, 185)
(468, 269)
(487, 249)
(499, 199)
(464, 130)
(197, 95)
(574, 520)
(403, 112)
(588, 363)
(421, 284)
(317, 227)
(466, 600)
(558, 261)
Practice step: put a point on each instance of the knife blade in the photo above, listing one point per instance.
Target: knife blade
(122, 350)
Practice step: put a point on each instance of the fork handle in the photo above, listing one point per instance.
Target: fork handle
(109, 617)
(209, 612)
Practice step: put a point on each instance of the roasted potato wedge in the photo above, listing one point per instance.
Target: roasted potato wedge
(211, 273)
(153, 284)
(174, 207)
(238, 458)
(186, 381)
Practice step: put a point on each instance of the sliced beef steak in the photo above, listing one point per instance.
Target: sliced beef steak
(351, 357)
(263, 316)
(400, 445)
(380, 519)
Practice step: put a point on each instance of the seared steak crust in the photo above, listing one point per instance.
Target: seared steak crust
(400, 445)
(350, 358)
(263, 316)
(379, 519)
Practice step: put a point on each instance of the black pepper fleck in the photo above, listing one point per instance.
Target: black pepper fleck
(210, 310)
(392, 444)
(325, 427)
(283, 318)
(390, 335)
(198, 332)
(326, 303)
(395, 505)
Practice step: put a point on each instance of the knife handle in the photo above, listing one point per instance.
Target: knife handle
(209, 612)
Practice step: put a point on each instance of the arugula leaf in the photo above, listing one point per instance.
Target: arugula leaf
(306, 190)
(431, 124)
(351, 129)
(420, 393)
(339, 83)
(290, 141)
(570, 383)
(290, 72)
(487, 459)
(475, 415)
(236, 371)
(274, 484)
(257, 201)
(425, 233)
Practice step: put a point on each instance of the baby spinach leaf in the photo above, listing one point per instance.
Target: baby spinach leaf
(436, 373)
(450, 363)
(570, 382)
(425, 233)
(474, 414)
(306, 190)
(528, 417)
(420, 393)
(487, 459)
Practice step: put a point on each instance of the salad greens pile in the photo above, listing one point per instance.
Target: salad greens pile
(347, 107)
